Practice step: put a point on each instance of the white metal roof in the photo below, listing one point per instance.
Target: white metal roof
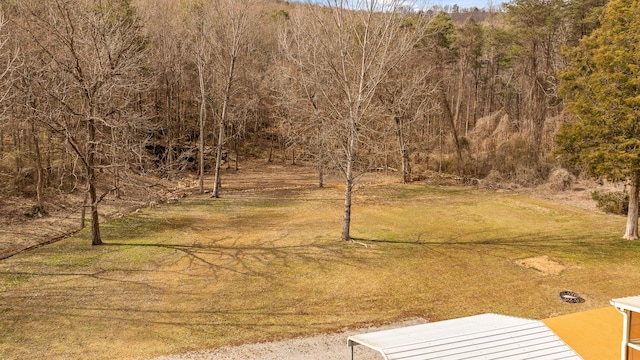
(487, 336)
(631, 303)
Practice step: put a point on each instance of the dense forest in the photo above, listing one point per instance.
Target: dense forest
(95, 94)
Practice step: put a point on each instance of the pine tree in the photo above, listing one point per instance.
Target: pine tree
(601, 87)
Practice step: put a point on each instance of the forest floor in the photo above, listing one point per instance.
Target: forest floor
(23, 226)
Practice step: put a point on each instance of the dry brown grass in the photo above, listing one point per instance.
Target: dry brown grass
(264, 263)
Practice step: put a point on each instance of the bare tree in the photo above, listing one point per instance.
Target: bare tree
(201, 36)
(536, 24)
(356, 44)
(8, 63)
(299, 83)
(232, 20)
(91, 55)
(8, 60)
(407, 97)
(171, 47)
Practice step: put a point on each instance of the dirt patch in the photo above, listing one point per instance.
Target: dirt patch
(544, 264)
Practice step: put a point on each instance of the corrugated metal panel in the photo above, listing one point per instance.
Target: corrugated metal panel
(631, 303)
(487, 336)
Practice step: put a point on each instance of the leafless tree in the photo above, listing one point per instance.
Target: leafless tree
(200, 34)
(91, 55)
(356, 44)
(232, 21)
(408, 96)
(8, 63)
(168, 24)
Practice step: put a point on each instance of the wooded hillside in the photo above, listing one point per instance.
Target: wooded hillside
(99, 95)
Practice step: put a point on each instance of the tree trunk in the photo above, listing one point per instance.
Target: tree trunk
(404, 152)
(83, 211)
(448, 114)
(446, 109)
(95, 221)
(271, 146)
(235, 150)
(223, 116)
(321, 172)
(321, 161)
(203, 114)
(39, 170)
(631, 232)
(217, 180)
(458, 103)
(91, 181)
(351, 156)
(346, 221)
(537, 102)
(406, 166)
(17, 143)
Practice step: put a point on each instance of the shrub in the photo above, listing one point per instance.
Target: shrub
(561, 179)
(613, 202)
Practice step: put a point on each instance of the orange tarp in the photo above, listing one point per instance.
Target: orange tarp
(594, 334)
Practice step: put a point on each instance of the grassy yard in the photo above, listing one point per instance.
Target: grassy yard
(266, 263)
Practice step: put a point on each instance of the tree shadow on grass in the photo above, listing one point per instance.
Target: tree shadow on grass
(103, 299)
(538, 244)
(253, 260)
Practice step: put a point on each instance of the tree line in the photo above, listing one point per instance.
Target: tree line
(97, 93)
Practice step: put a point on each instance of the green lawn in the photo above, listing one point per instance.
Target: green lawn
(267, 264)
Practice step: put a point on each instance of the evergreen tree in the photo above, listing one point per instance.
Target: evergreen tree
(601, 87)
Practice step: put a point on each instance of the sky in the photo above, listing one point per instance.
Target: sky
(460, 3)
(465, 3)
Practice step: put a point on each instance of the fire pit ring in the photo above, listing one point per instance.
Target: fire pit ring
(571, 297)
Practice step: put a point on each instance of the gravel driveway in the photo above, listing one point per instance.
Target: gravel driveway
(324, 347)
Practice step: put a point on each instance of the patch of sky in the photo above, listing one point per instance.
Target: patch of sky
(421, 4)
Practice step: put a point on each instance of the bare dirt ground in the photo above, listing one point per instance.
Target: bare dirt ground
(544, 264)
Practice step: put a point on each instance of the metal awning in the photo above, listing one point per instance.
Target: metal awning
(629, 307)
(631, 303)
(486, 336)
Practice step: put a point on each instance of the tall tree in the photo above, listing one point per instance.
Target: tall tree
(583, 17)
(440, 52)
(232, 21)
(407, 97)
(91, 54)
(357, 43)
(200, 34)
(299, 92)
(468, 44)
(8, 62)
(602, 90)
(168, 24)
(536, 24)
